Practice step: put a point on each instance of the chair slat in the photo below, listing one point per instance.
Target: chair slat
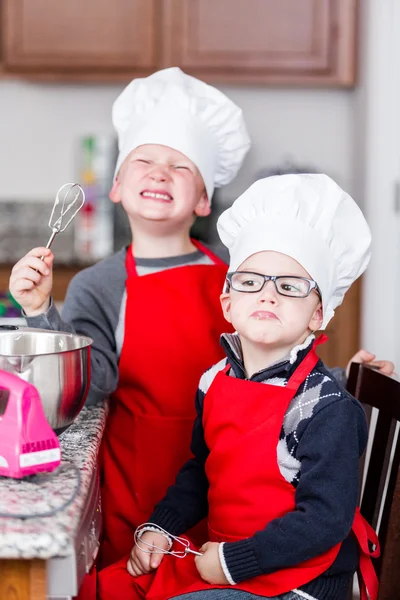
(378, 391)
(390, 494)
(373, 486)
(389, 580)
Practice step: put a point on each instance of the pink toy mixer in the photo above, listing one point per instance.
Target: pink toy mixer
(28, 444)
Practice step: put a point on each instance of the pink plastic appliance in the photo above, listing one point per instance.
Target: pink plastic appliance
(28, 444)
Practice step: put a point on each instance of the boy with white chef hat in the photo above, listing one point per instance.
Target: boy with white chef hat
(152, 309)
(277, 440)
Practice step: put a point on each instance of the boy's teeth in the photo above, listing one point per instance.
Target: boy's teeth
(157, 195)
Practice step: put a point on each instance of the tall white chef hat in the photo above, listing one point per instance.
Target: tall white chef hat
(173, 109)
(307, 217)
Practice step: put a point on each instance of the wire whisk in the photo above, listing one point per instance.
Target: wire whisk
(69, 200)
(151, 549)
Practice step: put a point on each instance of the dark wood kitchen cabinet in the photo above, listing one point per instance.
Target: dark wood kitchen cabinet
(79, 36)
(288, 42)
(263, 41)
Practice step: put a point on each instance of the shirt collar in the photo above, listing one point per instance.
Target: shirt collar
(282, 368)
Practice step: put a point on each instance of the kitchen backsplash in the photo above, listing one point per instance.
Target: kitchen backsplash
(24, 225)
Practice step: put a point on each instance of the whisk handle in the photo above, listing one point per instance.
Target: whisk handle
(49, 243)
(190, 551)
(53, 235)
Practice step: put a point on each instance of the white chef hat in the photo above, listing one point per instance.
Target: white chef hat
(307, 217)
(173, 109)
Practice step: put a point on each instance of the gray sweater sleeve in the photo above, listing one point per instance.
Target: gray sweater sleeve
(93, 307)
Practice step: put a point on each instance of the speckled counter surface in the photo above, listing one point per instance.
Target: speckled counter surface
(52, 504)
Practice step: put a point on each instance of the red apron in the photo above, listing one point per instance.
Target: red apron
(246, 491)
(173, 322)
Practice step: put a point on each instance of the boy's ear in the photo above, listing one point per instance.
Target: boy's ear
(225, 299)
(316, 319)
(203, 207)
(114, 194)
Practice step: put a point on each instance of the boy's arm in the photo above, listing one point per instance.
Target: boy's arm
(326, 497)
(92, 306)
(185, 502)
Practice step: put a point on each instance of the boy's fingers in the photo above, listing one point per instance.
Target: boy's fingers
(136, 564)
(129, 568)
(34, 274)
(23, 285)
(36, 264)
(385, 366)
(40, 251)
(33, 256)
(155, 560)
(142, 559)
(31, 264)
(364, 355)
(132, 568)
(25, 282)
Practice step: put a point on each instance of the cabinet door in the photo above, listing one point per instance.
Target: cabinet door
(265, 41)
(79, 35)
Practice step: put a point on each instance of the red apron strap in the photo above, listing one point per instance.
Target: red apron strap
(130, 262)
(306, 366)
(364, 534)
(321, 339)
(216, 259)
(367, 578)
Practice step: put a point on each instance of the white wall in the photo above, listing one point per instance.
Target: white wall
(40, 126)
(377, 141)
(312, 127)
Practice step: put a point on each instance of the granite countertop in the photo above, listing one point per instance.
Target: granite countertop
(59, 497)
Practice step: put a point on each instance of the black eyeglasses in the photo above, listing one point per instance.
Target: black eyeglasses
(286, 285)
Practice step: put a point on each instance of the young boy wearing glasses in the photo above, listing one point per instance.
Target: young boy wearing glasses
(277, 440)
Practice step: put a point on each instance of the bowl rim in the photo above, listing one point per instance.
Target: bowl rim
(86, 341)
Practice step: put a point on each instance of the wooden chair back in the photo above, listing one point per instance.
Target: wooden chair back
(380, 497)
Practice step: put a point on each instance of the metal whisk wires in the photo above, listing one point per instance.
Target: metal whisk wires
(151, 549)
(69, 200)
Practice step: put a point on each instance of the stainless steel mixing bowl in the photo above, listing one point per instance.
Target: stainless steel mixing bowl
(56, 363)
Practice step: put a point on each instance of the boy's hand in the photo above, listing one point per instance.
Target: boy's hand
(209, 565)
(31, 281)
(143, 562)
(363, 356)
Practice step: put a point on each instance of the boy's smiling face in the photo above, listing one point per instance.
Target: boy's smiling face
(157, 183)
(267, 318)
